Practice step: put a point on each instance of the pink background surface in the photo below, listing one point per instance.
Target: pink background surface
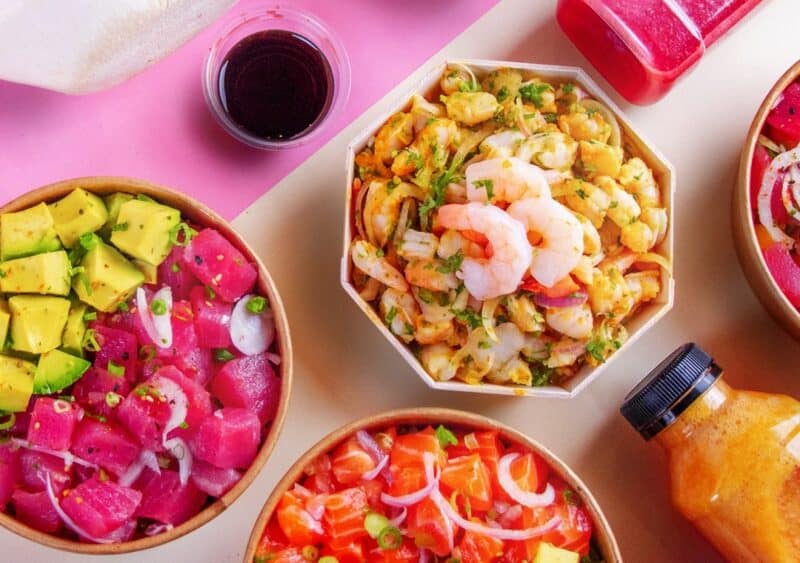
(156, 126)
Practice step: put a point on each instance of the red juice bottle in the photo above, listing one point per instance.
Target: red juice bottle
(643, 46)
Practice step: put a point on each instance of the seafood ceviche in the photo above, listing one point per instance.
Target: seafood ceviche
(775, 192)
(505, 230)
(136, 382)
(424, 494)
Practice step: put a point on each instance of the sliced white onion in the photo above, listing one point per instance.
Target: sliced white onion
(499, 533)
(442, 505)
(275, 358)
(147, 458)
(68, 457)
(179, 407)
(180, 450)
(432, 478)
(69, 522)
(252, 333)
(783, 160)
(525, 498)
(157, 327)
(156, 529)
(400, 518)
(790, 191)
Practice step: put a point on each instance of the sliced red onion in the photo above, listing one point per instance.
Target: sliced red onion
(525, 498)
(432, 478)
(370, 475)
(571, 300)
(147, 458)
(780, 162)
(398, 520)
(381, 458)
(252, 333)
(69, 522)
(499, 533)
(68, 457)
(157, 327)
(156, 529)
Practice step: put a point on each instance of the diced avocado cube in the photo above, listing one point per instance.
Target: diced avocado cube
(113, 203)
(150, 272)
(5, 320)
(46, 274)
(27, 232)
(78, 213)
(548, 553)
(16, 383)
(143, 230)
(37, 322)
(57, 370)
(75, 329)
(107, 280)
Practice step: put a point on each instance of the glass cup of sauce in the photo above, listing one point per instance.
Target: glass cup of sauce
(275, 77)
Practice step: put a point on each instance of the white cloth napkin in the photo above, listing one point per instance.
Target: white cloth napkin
(80, 46)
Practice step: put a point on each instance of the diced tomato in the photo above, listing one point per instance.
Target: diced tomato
(469, 476)
(409, 449)
(296, 522)
(344, 517)
(350, 461)
(758, 167)
(429, 527)
(563, 287)
(406, 553)
(477, 548)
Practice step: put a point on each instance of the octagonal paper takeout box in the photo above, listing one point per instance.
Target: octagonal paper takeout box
(646, 316)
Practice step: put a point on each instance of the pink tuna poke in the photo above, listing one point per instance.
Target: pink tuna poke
(139, 367)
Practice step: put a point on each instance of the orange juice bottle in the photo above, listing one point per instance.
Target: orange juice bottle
(734, 456)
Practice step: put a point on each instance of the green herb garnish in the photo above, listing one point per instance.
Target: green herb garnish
(487, 184)
(223, 355)
(445, 437)
(257, 305)
(158, 307)
(452, 263)
(533, 93)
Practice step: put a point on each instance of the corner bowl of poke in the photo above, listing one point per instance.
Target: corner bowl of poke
(145, 365)
(508, 230)
(430, 484)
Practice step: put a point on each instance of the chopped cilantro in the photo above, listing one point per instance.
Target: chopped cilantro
(486, 184)
(426, 295)
(568, 88)
(581, 193)
(502, 94)
(533, 93)
(445, 437)
(390, 315)
(542, 375)
(380, 253)
(596, 348)
(551, 117)
(451, 264)
(468, 316)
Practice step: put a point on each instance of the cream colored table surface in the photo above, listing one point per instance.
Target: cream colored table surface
(345, 370)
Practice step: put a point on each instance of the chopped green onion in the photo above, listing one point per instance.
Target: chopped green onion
(375, 523)
(142, 197)
(120, 227)
(89, 240)
(256, 305)
(90, 341)
(123, 307)
(181, 228)
(183, 425)
(445, 437)
(90, 316)
(113, 399)
(310, 553)
(223, 355)
(158, 307)
(9, 422)
(116, 369)
(390, 538)
(175, 268)
(141, 391)
(210, 293)
(390, 315)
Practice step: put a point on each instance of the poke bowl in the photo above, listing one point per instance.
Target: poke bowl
(430, 484)
(766, 199)
(508, 230)
(145, 365)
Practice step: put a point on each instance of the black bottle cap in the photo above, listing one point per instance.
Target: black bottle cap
(669, 389)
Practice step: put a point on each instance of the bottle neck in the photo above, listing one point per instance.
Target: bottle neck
(695, 415)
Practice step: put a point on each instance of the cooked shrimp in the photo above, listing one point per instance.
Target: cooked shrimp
(501, 145)
(396, 134)
(422, 111)
(501, 273)
(382, 208)
(575, 322)
(471, 108)
(562, 238)
(637, 179)
(399, 309)
(551, 149)
(367, 258)
(506, 180)
(431, 274)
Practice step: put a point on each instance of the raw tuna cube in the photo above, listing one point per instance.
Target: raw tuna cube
(186, 354)
(10, 472)
(197, 364)
(117, 346)
(212, 319)
(213, 480)
(249, 382)
(228, 438)
(106, 444)
(144, 413)
(93, 388)
(785, 271)
(165, 500)
(217, 263)
(52, 423)
(783, 122)
(173, 274)
(35, 468)
(36, 510)
(21, 424)
(123, 533)
(101, 507)
(198, 397)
